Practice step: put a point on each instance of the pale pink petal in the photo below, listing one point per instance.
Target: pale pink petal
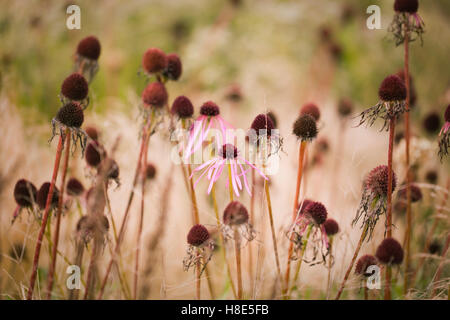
(245, 180)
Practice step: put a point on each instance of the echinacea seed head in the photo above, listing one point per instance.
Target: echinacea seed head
(74, 187)
(182, 107)
(75, 87)
(431, 176)
(416, 193)
(312, 109)
(409, 6)
(363, 263)
(89, 47)
(392, 89)
(174, 67)
(150, 171)
(273, 118)
(229, 151)
(331, 227)
(389, 251)
(198, 235)
(25, 193)
(154, 60)
(345, 107)
(71, 115)
(114, 171)
(155, 95)
(262, 122)
(317, 212)
(303, 205)
(447, 114)
(209, 109)
(305, 127)
(43, 193)
(435, 247)
(432, 123)
(235, 214)
(377, 181)
(94, 154)
(92, 133)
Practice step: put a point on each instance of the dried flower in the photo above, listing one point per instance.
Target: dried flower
(75, 87)
(235, 215)
(154, 61)
(312, 109)
(182, 107)
(42, 194)
(390, 252)
(174, 67)
(364, 263)
(94, 154)
(416, 193)
(331, 227)
(74, 187)
(89, 48)
(444, 141)
(200, 249)
(406, 17)
(155, 95)
(305, 127)
(25, 193)
(70, 116)
(92, 133)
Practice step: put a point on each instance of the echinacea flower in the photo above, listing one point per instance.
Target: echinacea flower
(416, 193)
(264, 136)
(94, 154)
(154, 61)
(75, 88)
(86, 58)
(228, 155)
(390, 252)
(174, 67)
(364, 263)
(200, 248)
(305, 127)
(182, 107)
(432, 123)
(25, 194)
(42, 194)
(235, 216)
(312, 109)
(444, 141)
(88, 225)
(70, 116)
(74, 187)
(406, 16)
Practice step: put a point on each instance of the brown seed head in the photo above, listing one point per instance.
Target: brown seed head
(363, 263)
(25, 193)
(74, 187)
(75, 87)
(154, 60)
(43, 193)
(312, 109)
(390, 252)
(305, 127)
(331, 227)
(392, 89)
(155, 95)
(377, 181)
(174, 67)
(317, 211)
(209, 109)
(198, 235)
(89, 47)
(182, 107)
(71, 115)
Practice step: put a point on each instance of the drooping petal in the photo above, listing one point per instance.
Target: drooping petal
(245, 179)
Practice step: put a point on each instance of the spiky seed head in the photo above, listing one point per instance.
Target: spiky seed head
(154, 60)
(114, 171)
(392, 89)
(209, 109)
(155, 95)
(390, 251)
(331, 227)
(409, 6)
(363, 263)
(447, 114)
(235, 214)
(174, 67)
(345, 107)
(94, 154)
(416, 193)
(432, 123)
(305, 127)
(435, 247)
(262, 122)
(24, 193)
(312, 109)
(150, 171)
(74, 187)
(229, 151)
(431, 176)
(89, 47)
(273, 117)
(43, 193)
(182, 107)
(198, 235)
(317, 211)
(377, 181)
(75, 87)
(71, 115)
(92, 133)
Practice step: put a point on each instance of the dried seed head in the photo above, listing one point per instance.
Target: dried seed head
(331, 227)
(198, 235)
(345, 107)
(114, 171)
(71, 115)
(89, 47)
(273, 118)
(447, 114)
(363, 263)
(92, 133)
(392, 89)
(25, 193)
(150, 171)
(435, 247)
(305, 127)
(229, 151)
(312, 109)
(432, 123)
(409, 6)
(174, 67)
(263, 122)
(317, 211)
(43, 193)
(416, 193)
(183, 107)
(75, 87)
(94, 154)
(209, 109)
(155, 95)
(88, 224)
(235, 214)
(303, 205)
(390, 252)
(431, 176)
(74, 187)
(377, 181)
(154, 60)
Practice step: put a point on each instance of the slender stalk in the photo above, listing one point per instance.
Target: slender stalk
(366, 292)
(299, 264)
(58, 217)
(37, 250)
(230, 183)
(441, 266)
(198, 279)
(237, 249)
(330, 260)
(252, 215)
(355, 255)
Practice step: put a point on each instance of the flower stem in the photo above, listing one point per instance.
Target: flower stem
(441, 267)
(51, 190)
(237, 248)
(230, 182)
(300, 260)
(330, 260)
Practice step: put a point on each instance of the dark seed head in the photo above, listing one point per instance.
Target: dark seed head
(94, 154)
(174, 67)
(262, 122)
(435, 247)
(409, 6)
(431, 176)
(331, 227)
(155, 95)
(209, 109)
(183, 107)
(317, 211)
(363, 263)
(345, 107)
(229, 151)
(154, 60)
(92, 133)
(74, 187)
(114, 171)
(416, 193)
(377, 181)
(150, 171)
(197, 235)
(43, 193)
(392, 89)
(303, 205)
(312, 109)
(75, 87)
(273, 118)
(235, 214)
(89, 48)
(305, 127)
(71, 115)
(447, 114)
(432, 123)
(25, 193)
(390, 252)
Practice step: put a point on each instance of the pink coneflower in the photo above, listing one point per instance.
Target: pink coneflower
(444, 135)
(406, 15)
(228, 155)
